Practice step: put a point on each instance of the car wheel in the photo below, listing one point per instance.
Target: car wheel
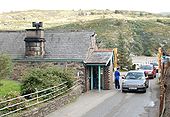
(144, 91)
(123, 91)
(147, 86)
(153, 76)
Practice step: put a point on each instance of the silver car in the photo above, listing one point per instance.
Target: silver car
(135, 80)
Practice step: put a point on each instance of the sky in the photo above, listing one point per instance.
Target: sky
(153, 6)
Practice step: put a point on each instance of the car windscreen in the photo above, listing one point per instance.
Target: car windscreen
(147, 67)
(135, 75)
(154, 64)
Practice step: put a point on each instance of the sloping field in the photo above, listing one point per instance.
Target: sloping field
(143, 32)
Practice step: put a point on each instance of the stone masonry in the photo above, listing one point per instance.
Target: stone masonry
(108, 78)
(54, 104)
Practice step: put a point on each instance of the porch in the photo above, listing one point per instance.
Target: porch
(98, 71)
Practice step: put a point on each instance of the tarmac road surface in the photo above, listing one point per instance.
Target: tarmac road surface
(114, 103)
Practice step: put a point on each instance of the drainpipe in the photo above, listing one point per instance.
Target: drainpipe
(91, 77)
(99, 77)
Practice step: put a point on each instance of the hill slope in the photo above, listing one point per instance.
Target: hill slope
(144, 32)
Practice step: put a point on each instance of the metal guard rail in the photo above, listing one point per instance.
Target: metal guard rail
(36, 100)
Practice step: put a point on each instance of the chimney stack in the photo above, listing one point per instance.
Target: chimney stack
(35, 41)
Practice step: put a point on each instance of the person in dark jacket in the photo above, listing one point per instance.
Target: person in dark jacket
(117, 76)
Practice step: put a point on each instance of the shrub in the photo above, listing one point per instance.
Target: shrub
(11, 95)
(148, 53)
(38, 78)
(5, 66)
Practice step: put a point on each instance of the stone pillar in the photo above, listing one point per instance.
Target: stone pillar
(108, 77)
(87, 83)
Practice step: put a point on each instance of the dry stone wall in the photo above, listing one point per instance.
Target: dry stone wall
(167, 93)
(55, 104)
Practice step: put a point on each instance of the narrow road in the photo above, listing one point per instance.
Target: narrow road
(127, 104)
(114, 103)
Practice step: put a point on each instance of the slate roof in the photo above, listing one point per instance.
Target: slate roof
(12, 43)
(100, 57)
(58, 45)
(68, 45)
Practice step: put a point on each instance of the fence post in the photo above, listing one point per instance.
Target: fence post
(36, 90)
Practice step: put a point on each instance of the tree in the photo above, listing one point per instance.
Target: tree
(5, 66)
(124, 60)
(136, 46)
(148, 52)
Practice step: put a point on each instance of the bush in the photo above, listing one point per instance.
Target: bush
(11, 95)
(38, 78)
(5, 66)
(148, 53)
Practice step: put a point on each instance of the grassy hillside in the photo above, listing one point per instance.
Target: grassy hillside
(144, 32)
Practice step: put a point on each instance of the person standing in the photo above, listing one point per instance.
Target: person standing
(117, 76)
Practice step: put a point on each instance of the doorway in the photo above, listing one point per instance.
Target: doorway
(94, 77)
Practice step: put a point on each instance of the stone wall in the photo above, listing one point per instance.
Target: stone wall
(53, 105)
(87, 83)
(106, 78)
(108, 74)
(110, 80)
(167, 92)
(21, 67)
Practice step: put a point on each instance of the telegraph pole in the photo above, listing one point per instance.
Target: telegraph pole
(115, 58)
(159, 59)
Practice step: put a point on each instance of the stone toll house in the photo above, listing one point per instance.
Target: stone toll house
(63, 48)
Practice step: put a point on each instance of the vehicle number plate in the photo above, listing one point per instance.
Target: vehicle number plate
(133, 88)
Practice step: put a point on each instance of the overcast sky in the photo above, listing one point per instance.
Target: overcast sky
(154, 6)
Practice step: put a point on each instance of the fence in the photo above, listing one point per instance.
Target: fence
(8, 107)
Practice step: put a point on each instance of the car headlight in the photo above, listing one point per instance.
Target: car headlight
(123, 84)
(141, 85)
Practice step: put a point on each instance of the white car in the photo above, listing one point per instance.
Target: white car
(135, 80)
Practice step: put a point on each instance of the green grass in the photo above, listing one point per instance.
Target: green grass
(8, 86)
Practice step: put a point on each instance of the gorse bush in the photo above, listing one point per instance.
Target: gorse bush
(41, 78)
